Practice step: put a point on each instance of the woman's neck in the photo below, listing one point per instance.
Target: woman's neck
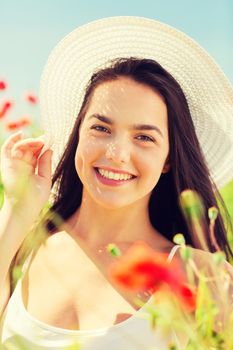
(98, 226)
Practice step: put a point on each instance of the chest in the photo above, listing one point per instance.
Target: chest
(71, 292)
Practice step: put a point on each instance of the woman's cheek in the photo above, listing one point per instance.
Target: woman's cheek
(78, 162)
(87, 153)
(151, 166)
(81, 157)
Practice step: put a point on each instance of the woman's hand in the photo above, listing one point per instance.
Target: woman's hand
(26, 176)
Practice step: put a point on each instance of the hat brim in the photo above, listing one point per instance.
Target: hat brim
(94, 45)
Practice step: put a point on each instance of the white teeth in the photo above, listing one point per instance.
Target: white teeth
(111, 175)
(114, 176)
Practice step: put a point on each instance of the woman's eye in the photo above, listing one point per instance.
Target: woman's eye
(99, 128)
(145, 138)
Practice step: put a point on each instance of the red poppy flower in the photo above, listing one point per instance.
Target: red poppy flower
(25, 121)
(188, 296)
(4, 109)
(31, 98)
(142, 268)
(2, 85)
(14, 125)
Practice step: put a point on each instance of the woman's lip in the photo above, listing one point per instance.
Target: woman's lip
(111, 182)
(115, 170)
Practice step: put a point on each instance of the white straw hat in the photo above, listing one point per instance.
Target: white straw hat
(92, 46)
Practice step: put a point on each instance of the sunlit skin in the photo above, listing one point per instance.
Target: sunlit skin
(143, 153)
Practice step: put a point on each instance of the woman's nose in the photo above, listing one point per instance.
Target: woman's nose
(118, 152)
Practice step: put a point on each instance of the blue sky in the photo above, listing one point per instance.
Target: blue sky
(30, 29)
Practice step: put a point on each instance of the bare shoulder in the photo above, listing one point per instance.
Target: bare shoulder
(61, 238)
(56, 248)
(53, 263)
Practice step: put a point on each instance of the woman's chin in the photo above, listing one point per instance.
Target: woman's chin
(112, 203)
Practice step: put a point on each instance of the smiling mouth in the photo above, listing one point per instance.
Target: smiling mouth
(114, 176)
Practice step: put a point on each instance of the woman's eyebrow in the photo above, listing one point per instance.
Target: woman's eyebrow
(109, 121)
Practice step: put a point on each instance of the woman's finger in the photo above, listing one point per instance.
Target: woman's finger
(24, 145)
(10, 142)
(45, 164)
(17, 154)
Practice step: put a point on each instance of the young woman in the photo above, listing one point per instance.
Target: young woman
(125, 103)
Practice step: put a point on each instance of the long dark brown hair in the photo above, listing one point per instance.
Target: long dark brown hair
(188, 168)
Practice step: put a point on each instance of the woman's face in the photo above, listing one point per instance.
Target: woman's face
(123, 143)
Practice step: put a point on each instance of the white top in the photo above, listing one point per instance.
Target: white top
(18, 327)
